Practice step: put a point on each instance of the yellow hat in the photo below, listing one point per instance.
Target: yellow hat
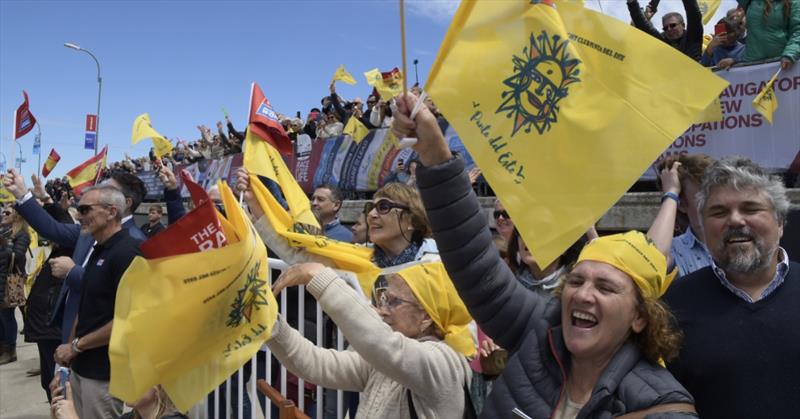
(634, 254)
(438, 297)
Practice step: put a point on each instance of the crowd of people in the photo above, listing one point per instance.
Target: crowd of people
(683, 320)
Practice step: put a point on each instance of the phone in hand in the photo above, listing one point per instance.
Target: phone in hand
(720, 29)
(63, 378)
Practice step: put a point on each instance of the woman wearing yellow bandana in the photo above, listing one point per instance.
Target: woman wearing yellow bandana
(594, 351)
(414, 347)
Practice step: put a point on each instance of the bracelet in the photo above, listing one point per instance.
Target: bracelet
(670, 195)
(75, 345)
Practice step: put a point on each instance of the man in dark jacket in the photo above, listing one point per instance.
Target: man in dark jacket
(687, 37)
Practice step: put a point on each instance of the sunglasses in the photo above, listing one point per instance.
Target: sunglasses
(503, 213)
(383, 206)
(86, 208)
(670, 26)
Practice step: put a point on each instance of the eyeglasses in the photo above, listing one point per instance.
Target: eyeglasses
(86, 208)
(383, 206)
(391, 302)
(503, 213)
(6, 213)
(670, 26)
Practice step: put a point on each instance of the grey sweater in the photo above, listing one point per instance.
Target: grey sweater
(526, 323)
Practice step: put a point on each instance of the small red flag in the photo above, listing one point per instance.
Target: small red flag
(198, 230)
(23, 118)
(50, 163)
(264, 122)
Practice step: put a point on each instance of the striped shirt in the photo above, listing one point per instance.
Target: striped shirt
(689, 254)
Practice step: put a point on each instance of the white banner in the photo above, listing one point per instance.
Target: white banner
(743, 131)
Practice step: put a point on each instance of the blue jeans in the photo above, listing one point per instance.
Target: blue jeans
(8, 327)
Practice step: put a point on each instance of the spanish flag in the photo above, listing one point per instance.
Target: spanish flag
(50, 163)
(143, 129)
(262, 157)
(88, 172)
(343, 75)
(766, 103)
(188, 322)
(562, 108)
(355, 129)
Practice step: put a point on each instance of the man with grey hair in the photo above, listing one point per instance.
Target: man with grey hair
(100, 211)
(687, 39)
(741, 351)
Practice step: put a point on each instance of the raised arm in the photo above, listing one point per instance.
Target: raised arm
(694, 20)
(641, 22)
(663, 227)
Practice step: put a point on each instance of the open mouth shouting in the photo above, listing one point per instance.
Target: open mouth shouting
(583, 320)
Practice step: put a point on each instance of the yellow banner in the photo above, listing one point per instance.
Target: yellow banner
(346, 256)
(355, 129)
(342, 75)
(766, 103)
(563, 109)
(143, 129)
(188, 322)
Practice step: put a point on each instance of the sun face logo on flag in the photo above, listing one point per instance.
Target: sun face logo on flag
(542, 75)
(252, 295)
(266, 110)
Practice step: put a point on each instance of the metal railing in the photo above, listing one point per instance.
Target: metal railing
(260, 366)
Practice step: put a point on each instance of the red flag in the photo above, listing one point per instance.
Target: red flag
(50, 163)
(200, 229)
(23, 118)
(88, 172)
(264, 122)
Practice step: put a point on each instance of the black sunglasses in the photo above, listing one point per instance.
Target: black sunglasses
(503, 213)
(84, 209)
(383, 206)
(670, 26)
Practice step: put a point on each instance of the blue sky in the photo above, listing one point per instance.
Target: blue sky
(182, 61)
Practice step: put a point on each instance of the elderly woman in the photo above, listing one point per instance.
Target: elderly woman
(410, 353)
(594, 351)
(14, 243)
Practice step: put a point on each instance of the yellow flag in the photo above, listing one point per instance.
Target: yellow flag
(343, 75)
(766, 102)
(143, 129)
(563, 109)
(346, 256)
(264, 160)
(188, 322)
(355, 129)
(712, 113)
(388, 85)
(708, 8)
(6, 196)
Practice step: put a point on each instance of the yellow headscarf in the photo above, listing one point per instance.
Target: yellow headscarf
(438, 297)
(634, 254)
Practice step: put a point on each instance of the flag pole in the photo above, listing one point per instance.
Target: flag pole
(403, 44)
(39, 140)
(14, 140)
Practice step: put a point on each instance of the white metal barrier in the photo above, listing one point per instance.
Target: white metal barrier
(235, 409)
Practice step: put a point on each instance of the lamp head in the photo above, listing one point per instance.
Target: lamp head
(73, 46)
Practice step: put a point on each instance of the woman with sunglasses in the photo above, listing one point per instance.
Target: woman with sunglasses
(14, 241)
(407, 358)
(592, 352)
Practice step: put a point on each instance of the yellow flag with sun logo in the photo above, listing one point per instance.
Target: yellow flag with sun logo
(562, 108)
(188, 322)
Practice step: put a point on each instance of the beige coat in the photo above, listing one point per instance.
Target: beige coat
(381, 365)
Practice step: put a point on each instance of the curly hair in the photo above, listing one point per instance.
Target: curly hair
(660, 339)
(408, 195)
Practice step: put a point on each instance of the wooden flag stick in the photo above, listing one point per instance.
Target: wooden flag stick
(403, 44)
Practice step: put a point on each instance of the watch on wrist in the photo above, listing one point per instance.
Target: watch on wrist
(75, 345)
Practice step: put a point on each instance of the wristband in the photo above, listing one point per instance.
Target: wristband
(670, 195)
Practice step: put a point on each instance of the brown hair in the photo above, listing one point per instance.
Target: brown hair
(407, 195)
(660, 339)
(692, 167)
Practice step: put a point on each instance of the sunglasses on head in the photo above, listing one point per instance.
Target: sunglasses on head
(383, 206)
(84, 209)
(503, 213)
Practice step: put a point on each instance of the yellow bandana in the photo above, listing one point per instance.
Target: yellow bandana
(438, 297)
(634, 254)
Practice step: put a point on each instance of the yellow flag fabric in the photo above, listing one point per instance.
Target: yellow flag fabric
(343, 75)
(264, 160)
(346, 256)
(766, 103)
(387, 89)
(708, 8)
(712, 113)
(142, 128)
(188, 322)
(435, 292)
(355, 129)
(6, 196)
(562, 108)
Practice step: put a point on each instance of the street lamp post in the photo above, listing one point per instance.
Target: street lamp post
(99, 90)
